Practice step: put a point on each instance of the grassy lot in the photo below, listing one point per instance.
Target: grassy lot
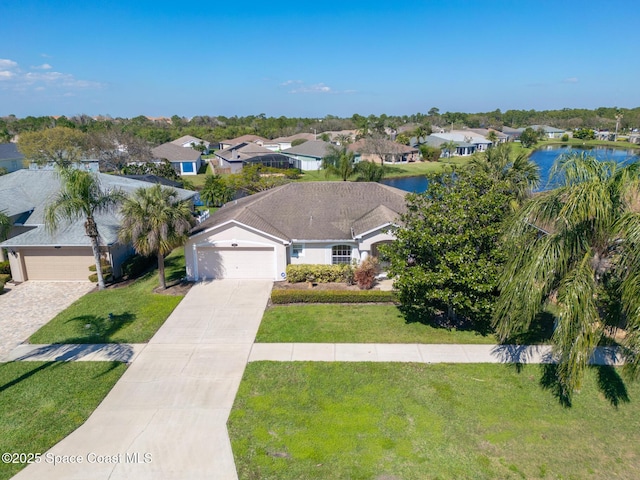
(353, 324)
(41, 403)
(137, 312)
(415, 421)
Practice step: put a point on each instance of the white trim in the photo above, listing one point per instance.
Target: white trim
(235, 222)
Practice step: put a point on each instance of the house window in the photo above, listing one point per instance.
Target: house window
(340, 254)
(187, 167)
(297, 250)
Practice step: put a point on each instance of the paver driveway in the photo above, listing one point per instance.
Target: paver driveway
(26, 307)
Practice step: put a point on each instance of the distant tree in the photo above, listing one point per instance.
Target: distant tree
(446, 257)
(257, 178)
(114, 149)
(403, 139)
(62, 146)
(529, 137)
(429, 153)
(156, 221)
(433, 112)
(81, 196)
(343, 139)
(380, 146)
(325, 137)
(340, 161)
(584, 134)
(369, 171)
(449, 147)
(298, 141)
(421, 131)
(162, 169)
(216, 192)
(492, 136)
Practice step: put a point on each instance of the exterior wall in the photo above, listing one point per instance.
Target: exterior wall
(118, 254)
(195, 166)
(235, 167)
(16, 263)
(230, 234)
(309, 164)
(11, 164)
(320, 253)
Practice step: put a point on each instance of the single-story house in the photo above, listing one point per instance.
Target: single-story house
(383, 150)
(308, 155)
(258, 140)
(10, 158)
(484, 132)
(550, 132)
(186, 161)
(249, 153)
(468, 142)
(35, 253)
(283, 143)
(306, 222)
(188, 141)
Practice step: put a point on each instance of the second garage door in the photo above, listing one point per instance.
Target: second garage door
(236, 262)
(67, 263)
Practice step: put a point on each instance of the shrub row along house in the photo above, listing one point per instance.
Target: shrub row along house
(34, 252)
(327, 223)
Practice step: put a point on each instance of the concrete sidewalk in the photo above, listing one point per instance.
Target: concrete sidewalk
(420, 353)
(166, 417)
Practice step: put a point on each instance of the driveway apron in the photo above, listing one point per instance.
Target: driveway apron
(166, 417)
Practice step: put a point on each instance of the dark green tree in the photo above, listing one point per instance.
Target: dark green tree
(340, 161)
(369, 171)
(529, 137)
(446, 257)
(216, 192)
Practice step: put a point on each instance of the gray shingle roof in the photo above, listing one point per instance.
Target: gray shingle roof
(244, 152)
(9, 151)
(174, 153)
(314, 210)
(312, 148)
(26, 190)
(189, 139)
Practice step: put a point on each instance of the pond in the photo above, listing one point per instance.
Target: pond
(544, 157)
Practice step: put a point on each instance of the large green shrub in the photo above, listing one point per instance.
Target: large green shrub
(136, 265)
(5, 268)
(319, 273)
(1, 287)
(332, 296)
(4, 277)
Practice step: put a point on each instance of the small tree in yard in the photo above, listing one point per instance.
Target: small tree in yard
(446, 257)
(82, 197)
(365, 273)
(156, 221)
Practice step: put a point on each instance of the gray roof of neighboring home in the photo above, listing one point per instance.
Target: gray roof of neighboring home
(30, 191)
(174, 153)
(243, 152)
(9, 151)
(434, 141)
(189, 139)
(244, 138)
(311, 148)
(314, 210)
(546, 128)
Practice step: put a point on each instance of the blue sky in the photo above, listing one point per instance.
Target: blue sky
(312, 59)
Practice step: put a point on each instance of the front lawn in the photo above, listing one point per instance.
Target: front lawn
(415, 421)
(353, 324)
(41, 403)
(130, 314)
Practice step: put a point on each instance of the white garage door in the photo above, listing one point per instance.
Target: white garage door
(66, 263)
(236, 262)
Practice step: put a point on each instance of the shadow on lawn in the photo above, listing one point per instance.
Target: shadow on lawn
(439, 319)
(98, 329)
(27, 375)
(609, 383)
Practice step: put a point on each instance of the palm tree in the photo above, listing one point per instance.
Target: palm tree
(492, 136)
(81, 196)
(343, 139)
(340, 162)
(420, 131)
(156, 221)
(450, 147)
(520, 173)
(370, 171)
(216, 191)
(577, 246)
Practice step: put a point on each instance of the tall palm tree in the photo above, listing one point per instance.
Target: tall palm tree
(492, 136)
(340, 162)
(520, 173)
(82, 196)
(156, 221)
(450, 147)
(577, 246)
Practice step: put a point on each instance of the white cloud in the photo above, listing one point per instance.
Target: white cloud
(301, 87)
(12, 77)
(570, 80)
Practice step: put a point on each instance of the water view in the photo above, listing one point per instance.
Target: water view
(544, 157)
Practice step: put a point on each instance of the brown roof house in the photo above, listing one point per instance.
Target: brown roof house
(256, 237)
(249, 153)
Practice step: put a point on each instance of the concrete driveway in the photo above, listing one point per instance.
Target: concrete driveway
(166, 417)
(24, 308)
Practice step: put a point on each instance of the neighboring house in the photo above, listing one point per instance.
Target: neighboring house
(244, 138)
(10, 158)
(249, 153)
(188, 141)
(549, 132)
(308, 155)
(512, 133)
(467, 141)
(38, 254)
(314, 223)
(483, 132)
(186, 161)
(380, 150)
(283, 143)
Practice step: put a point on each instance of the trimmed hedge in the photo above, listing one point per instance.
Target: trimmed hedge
(4, 277)
(319, 273)
(5, 268)
(280, 297)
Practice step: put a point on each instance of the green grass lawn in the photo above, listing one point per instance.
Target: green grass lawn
(353, 324)
(415, 421)
(137, 312)
(41, 403)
